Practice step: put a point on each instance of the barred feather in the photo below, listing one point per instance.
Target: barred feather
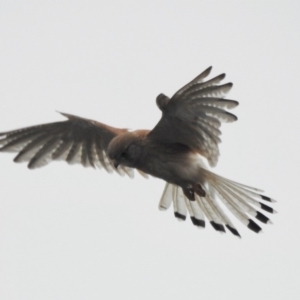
(237, 198)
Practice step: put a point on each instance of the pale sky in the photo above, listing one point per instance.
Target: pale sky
(72, 233)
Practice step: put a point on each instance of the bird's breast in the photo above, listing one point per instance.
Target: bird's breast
(175, 164)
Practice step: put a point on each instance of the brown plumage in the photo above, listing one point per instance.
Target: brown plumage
(175, 151)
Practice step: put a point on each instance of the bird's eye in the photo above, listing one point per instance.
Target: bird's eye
(124, 155)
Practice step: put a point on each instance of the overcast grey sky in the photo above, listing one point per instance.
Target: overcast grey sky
(74, 233)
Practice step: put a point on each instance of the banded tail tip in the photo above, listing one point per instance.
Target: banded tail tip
(218, 227)
(197, 222)
(253, 226)
(267, 208)
(266, 198)
(233, 231)
(179, 216)
(259, 216)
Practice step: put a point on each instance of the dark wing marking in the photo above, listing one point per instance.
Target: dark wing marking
(194, 114)
(76, 140)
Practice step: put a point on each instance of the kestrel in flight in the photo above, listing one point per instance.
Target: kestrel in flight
(175, 150)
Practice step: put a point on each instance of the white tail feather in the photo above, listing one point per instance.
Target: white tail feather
(236, 197)
(180, 203)
(230, 206)
(166, 198)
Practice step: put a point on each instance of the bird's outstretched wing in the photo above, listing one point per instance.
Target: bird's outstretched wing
(76, 140)
(194, 114)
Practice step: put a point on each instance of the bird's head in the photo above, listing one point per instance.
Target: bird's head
(125, 149)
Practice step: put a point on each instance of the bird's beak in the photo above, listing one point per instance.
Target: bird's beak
(116, 163)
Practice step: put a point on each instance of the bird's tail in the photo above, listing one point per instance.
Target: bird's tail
(220, 194)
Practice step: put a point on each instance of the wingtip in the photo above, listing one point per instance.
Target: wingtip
(68, 116)
(222, 76)
(208, 70)
(63, 114)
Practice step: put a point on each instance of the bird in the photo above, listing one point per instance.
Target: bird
(181, 149)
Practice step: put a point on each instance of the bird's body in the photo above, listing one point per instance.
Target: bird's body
(175, 163)
(175, 151)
